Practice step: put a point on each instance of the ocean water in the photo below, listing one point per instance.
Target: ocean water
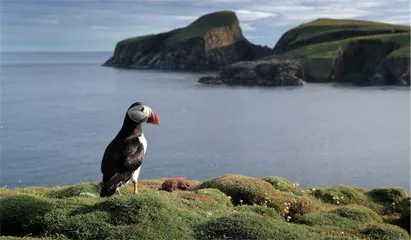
(60, 110)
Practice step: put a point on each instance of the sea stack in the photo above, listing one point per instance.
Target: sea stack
(213, 41)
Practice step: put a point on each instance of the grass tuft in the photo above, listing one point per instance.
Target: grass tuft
(241, 189)
(20, 214)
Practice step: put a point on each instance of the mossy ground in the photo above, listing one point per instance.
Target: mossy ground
(230, 206)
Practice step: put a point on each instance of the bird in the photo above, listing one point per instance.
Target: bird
(124, 155)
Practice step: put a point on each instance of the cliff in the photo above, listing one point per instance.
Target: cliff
(226, 207)
(213, 41)
(349, 51)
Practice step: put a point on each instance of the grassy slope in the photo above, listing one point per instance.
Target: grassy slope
(215, 209)
(196, 29)
(324, 25)
(329, 48)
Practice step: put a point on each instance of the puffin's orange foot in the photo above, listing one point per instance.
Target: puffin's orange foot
(118, 192)
(135, 189)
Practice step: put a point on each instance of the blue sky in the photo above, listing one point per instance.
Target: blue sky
(96, 25)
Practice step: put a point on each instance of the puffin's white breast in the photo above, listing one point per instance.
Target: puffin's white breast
(143, 141)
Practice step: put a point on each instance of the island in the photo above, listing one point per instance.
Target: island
(324, 50)
(211, 42)
(231, 206)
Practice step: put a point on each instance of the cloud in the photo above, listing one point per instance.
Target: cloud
(246, 15)
(99, 28)
(299, 11)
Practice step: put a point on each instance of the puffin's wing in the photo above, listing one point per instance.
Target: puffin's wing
(134, 155)
(112, 161)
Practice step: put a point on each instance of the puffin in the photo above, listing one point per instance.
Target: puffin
(124, 155)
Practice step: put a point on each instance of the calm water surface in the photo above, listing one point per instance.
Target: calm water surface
(60, 110)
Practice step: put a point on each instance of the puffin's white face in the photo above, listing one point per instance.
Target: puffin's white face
(143, 114)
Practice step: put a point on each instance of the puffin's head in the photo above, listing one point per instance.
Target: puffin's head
(140, 113)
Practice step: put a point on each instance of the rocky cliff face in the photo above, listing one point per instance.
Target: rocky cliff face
(364, 62)
(211, 42)
(393, 71)
(371, 62)
(262, 72)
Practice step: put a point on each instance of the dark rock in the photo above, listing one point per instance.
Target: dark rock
(364, 62)
(263, 72)
(396, 70)
(210, 80)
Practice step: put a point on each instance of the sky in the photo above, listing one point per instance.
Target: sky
(97, 25)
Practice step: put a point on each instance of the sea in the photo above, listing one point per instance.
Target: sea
(59, 111)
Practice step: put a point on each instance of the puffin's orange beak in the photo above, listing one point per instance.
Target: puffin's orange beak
(153, 119)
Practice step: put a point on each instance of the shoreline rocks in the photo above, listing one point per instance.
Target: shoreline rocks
(263, 72)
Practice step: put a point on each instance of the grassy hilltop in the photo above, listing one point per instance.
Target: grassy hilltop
(325, 37)
(196, 29)
(227, 207)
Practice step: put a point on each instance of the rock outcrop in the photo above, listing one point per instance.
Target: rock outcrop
(393, 69)
(363, 62)
(263, 72)
(211, 42)
(358, 60)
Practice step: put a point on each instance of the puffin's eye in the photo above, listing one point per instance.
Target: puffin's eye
(142, 109)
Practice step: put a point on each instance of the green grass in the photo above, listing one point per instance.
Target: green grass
(213, 210)
(331, 49)
(326, 30)
(384, 232)
(202, 25)
(358, 213)
(241, 189)
(403, 52)
(340, 195)
(282, 184)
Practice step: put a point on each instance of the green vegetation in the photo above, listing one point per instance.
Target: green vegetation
(384, 232)
(340, 194)
(283, 184)
(323, 38)
(322, 26)
(231, 206)
(241, 189)
(331, 49)
(358, 213)
(203, 24)
(403, 52)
